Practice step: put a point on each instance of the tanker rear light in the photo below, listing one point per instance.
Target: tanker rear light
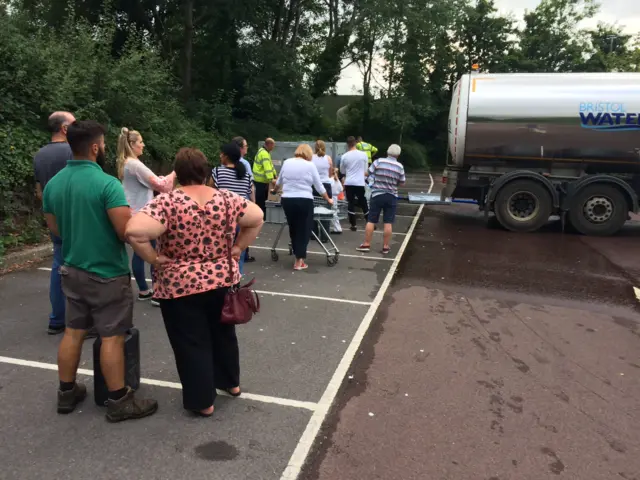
(444, 179)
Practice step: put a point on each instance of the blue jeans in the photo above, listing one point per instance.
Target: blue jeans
(243, 255)
(137, 266)
(56, 297)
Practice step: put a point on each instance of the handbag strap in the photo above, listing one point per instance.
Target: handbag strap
(228, 233)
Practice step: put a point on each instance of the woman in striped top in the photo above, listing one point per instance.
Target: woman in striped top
(232, 175)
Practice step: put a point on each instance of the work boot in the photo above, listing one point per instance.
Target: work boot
(67, 401)
(130, 408)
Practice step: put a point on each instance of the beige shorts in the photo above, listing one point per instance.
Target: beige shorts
(93, 301)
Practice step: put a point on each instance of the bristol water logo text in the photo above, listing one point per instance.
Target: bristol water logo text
(607, 116)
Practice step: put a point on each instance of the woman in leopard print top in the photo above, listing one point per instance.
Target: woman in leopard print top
(193, 274)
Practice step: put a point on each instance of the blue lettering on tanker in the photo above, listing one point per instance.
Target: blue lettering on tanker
(607, 116)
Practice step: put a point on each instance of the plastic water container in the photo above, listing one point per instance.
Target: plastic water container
(131, 366)
(275, 213)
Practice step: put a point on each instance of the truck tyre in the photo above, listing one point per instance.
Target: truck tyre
(523, 206)
(598, 209)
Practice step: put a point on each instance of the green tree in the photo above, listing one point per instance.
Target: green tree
(484, 37)
(551, 40)
(610, 50)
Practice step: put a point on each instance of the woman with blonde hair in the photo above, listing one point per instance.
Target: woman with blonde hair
(139, 183)
(298, 177)
(324, 164)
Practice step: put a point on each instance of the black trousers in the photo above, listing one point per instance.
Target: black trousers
(355, 198)
(206, 351)
(299, 213)
(327, 187)
(262, 194)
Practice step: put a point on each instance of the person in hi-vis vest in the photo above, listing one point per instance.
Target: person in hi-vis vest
(367, 148)
(264, 174)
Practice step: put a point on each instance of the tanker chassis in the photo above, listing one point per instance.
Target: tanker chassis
(530, 146)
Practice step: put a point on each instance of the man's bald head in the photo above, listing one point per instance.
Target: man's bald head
(58, 123)
(269, 144)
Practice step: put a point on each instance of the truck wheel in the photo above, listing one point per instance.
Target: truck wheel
(599, 209)
(523, 206)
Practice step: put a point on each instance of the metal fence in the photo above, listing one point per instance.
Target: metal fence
(285, 150)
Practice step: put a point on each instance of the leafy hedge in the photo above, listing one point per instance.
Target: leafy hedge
(42, 71)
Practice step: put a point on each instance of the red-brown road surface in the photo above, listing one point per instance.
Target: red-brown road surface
(495, 356)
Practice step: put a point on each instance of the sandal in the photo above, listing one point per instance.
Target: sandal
(237, 394)
(199, 413)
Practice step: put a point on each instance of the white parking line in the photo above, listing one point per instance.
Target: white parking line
(382, 232)
(286, 402)
(346, 255)
(303, 448)
(279, 294)
(313, 297)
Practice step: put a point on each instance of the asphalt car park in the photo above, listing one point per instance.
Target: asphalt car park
(294, 356)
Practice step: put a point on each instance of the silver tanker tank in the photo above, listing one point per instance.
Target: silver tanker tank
(584, 121)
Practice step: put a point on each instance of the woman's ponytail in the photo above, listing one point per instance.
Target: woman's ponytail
(241, 170)
(232, 152)
(123, 150)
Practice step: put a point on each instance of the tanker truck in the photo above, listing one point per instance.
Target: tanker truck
(530, 146)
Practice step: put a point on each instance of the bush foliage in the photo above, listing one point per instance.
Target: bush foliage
(44, 71)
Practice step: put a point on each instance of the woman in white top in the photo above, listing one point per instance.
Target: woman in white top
(324, 164)
(139, 183)
(298, 176)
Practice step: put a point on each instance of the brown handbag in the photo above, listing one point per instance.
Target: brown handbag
(241, 301)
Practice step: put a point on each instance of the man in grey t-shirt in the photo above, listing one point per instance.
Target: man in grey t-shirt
(49, 160)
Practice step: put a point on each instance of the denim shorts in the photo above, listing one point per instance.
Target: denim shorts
(385, 203)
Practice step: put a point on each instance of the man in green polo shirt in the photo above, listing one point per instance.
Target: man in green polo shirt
(87, 208)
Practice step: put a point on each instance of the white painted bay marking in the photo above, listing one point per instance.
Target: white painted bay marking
(176, 386)
(303, 448)
(313, 297)
(637, 292)
(281, 294)
(380, 231)
(347, 255)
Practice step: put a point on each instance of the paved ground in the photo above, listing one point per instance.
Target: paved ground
(489, 356)
(292, 359)
(495, 356)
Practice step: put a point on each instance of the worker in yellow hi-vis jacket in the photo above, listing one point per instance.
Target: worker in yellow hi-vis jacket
(367, 148)
(264, 174)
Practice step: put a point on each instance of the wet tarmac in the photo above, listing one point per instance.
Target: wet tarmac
(495, 356)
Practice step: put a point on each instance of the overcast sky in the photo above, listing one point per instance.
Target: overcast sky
(625, 13)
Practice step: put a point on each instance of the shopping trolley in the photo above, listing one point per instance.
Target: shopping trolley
(322, 211)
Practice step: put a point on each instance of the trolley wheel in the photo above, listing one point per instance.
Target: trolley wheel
(332, 261)
(274, 255)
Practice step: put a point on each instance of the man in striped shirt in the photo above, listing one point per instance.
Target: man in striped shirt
(387, 174)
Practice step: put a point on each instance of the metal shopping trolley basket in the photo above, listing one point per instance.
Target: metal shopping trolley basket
(321, 212)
